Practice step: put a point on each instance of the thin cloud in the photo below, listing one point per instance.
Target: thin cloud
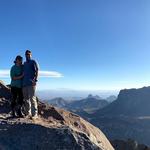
(47, 74)
(42, 74)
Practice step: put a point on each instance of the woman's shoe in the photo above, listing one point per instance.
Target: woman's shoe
(13, 114)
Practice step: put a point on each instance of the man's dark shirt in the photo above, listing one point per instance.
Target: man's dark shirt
(30, 69)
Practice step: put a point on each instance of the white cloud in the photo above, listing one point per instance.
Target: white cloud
(50, 74)
(4, 73)
(42, 74)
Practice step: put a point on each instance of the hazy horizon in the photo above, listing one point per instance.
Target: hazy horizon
(76, 94)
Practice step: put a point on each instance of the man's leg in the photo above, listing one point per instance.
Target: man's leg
(33, 100)
(27, 102)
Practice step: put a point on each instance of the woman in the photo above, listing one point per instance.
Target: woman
(16, 74)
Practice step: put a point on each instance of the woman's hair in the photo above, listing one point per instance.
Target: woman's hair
(18, 58)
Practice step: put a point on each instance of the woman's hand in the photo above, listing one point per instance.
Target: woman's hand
(22, 75)
(18, 77)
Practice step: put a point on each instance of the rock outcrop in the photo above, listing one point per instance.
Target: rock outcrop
(128, 117)
(55, 129)
(4, 91)
(130, 102)
(128, 145)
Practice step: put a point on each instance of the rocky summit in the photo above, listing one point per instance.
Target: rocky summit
(55, 129)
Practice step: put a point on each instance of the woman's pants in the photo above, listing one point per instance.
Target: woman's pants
(17, 99)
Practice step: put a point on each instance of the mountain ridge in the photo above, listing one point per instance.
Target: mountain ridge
(127, 117)
(130, 102)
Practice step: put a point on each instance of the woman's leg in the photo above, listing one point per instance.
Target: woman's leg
(20, 101)
(13, 100)
(20, 97)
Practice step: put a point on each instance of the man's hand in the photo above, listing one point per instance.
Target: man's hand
(33, 83)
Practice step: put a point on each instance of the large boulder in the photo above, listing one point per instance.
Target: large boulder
(55, 129)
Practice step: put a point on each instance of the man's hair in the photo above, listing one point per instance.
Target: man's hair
(28, 51)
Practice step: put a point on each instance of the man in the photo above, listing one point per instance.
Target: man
(29, 85)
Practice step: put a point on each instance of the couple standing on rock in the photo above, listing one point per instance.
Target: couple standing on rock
(23, 85)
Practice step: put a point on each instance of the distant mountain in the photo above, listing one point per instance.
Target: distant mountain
(83, 106)
(111, 98)
(74, 98)
(96, 97)
(58, 102)
(89, 104)
(126, 117)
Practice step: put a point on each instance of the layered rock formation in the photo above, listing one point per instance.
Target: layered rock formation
(127, 117)
(131, 102)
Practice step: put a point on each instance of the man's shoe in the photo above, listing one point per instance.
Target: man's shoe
(35, 117)
(28, 116)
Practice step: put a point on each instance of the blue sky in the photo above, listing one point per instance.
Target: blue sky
(93, 44)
